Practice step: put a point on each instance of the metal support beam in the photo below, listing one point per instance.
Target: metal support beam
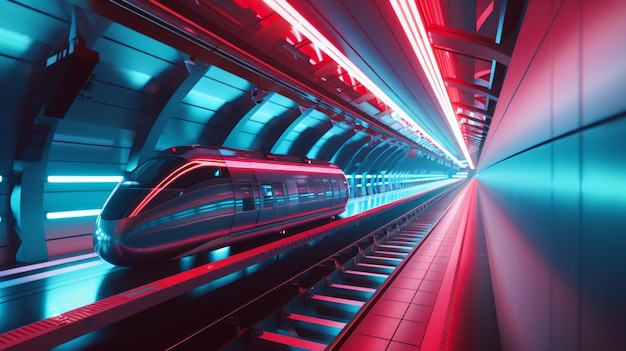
(333, 145)
(291, 127)
(346, 152)
(180, 83)
(27, 198)
(232, 138)
(469, 44)
(474, 109)
(470, 88)
(476, 120)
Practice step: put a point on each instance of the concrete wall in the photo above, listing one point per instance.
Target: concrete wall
(552, 181)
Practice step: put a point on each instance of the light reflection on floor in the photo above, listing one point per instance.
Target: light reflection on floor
(361, 204)
(59, 290)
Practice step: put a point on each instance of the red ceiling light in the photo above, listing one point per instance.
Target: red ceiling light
(293, 17)
(413, 26)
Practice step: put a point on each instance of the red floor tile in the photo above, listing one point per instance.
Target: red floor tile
(358, 342)
(410, 333)
(437, 267)
(399, 294)
(432, 275)
(398, 346)
(378, 326)
(424, 298)
(418, 265)
(412, 273)
(388, 308)
(430, 286)
(418, 313)
(406, 283)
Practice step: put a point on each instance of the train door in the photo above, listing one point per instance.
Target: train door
(335, 189)
(246, 193)
(280, 200)
(328, 193)
(293, 205)
(268, 202)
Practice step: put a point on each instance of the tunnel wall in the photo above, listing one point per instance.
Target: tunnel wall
(552, 181)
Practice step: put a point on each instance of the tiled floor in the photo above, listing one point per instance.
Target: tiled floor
(399, 318)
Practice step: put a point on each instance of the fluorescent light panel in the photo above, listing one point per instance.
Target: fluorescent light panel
(72, 214)
(294, 18)
(84, 179)
(411, 21)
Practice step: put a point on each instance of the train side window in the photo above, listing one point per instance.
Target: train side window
(247, 198)
(279, 194)
(196, 176)
(329, 194)
(343, 187)
(292, 191)
(268, 196)
(335, 186)
(312, 192)
(319, 189)
(303, 190)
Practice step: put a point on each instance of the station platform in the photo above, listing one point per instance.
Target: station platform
(429, 297)
(48, 291)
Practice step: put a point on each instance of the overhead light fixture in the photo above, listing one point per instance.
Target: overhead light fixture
(293, 17)
(413, 26)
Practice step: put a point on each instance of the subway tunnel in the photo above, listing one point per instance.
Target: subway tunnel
(516, 105)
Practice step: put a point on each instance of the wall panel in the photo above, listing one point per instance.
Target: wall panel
(603, 223)
(554, 209)
(603, 52)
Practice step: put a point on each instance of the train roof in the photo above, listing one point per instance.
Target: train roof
(238, 153)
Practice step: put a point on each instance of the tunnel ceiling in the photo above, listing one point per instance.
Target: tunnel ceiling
(235, 73)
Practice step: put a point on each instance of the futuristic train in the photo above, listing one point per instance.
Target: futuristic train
(192, 199)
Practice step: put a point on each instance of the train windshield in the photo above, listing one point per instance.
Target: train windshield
(158, 181)
(151, 173)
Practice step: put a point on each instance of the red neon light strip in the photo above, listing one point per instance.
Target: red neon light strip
(413, 26)
(292, 16)
(199, 163)
(186, 168)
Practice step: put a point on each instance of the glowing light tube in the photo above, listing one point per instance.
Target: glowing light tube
(72, 214)
(84, 179)
(294, 18)
(413, 26)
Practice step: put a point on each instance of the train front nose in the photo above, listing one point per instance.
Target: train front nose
(108, 242)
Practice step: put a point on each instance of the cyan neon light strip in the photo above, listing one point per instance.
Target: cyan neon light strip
(72, 214)
(84, 179)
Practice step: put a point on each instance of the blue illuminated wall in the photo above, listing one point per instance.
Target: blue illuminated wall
(552, 181)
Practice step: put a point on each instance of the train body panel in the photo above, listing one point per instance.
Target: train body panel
(190, 199)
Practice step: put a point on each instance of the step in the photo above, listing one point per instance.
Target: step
(376, 268)
(352, 288)
(390, 253)
(291, 341)
(406, 243)
(388, 247)
(366, 274)
(376, 258)
(336, 300)
(406, 238)
(315, 320)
